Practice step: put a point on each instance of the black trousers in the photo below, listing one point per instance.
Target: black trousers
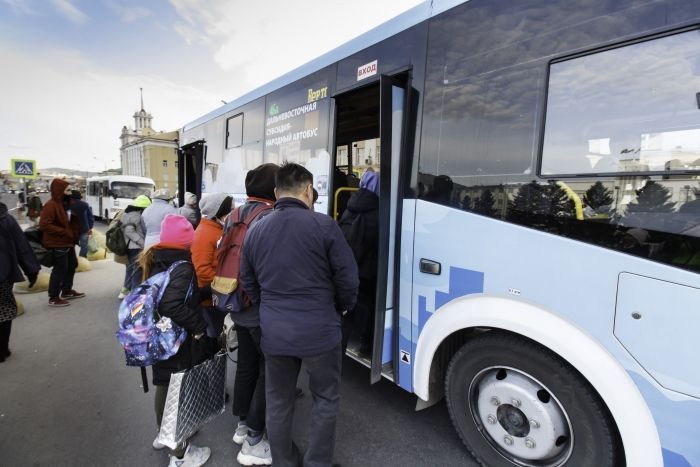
(63, 271)
(5, 329)
(249, 389)
(324, 385)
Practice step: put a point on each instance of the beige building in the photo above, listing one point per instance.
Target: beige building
(148, 153)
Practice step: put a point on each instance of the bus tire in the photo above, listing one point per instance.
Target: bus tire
(525, 406)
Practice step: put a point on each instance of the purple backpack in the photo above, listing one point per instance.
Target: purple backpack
(147, 337)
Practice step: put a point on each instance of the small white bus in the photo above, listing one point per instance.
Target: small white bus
(106, 195)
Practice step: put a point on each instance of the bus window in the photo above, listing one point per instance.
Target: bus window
(643, 117)
(130, 190)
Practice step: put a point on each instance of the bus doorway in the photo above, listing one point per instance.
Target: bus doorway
(369, 135)
(190, 167)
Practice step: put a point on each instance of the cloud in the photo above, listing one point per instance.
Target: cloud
(64, 110)
(264, 40)
(128, 14)
(70, 11)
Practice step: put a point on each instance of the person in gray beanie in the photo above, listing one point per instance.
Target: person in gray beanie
(212, 203)
(190, 210)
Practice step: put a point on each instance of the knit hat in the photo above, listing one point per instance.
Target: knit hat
(260, 182)
(163, 194)
(141, 201)
(176, 230)
(210, 204)
(190, 199)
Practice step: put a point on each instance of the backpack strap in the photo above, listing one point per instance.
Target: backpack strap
(169, 271)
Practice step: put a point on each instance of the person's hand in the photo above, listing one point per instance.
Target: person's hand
(198, 336)
(32, 279)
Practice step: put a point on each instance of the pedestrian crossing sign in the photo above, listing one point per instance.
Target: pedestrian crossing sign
(23, 168)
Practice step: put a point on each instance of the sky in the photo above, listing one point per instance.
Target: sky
(71, 69)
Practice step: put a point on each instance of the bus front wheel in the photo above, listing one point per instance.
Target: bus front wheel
(515, 403)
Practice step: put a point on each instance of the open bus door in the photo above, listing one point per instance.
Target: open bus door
(370, 134)
(393, 118)
(190, 167)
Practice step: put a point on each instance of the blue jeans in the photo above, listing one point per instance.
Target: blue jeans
(132, 278)
(83, 243)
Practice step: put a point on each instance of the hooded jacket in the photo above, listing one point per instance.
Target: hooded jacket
(298, 266)
(184, 312)
(132, 228)
(57, 230)
(15, 251)
(205, 254)
(152, 216)
(360, 226)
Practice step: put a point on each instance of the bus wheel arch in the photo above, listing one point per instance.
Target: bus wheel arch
(467, 318)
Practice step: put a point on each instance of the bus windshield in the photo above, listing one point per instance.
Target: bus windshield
(131, 190)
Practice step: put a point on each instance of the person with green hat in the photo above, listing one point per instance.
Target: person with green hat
(134, 234)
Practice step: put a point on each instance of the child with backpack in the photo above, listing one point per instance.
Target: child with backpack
(180, 302)
(134, 238)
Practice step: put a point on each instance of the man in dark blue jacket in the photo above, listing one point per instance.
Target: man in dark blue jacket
(298, 266)
(83, 212)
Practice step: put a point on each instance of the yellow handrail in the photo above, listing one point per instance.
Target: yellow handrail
(335, 199)
(573, 196)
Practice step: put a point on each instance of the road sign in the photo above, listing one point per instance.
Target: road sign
(23, 168)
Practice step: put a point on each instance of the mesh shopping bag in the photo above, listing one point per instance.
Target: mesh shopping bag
(195, 397)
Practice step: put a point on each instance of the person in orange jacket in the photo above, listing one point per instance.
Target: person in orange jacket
(215, 207)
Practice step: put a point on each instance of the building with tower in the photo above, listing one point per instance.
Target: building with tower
(149, 153)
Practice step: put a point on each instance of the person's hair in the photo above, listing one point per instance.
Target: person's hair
(291, 178)
(145, 262)
(224, 208)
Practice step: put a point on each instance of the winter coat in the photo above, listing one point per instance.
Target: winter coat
(205, 254)
(185, 313)
(57, 230)
(300, 269)
(360, 226)
(82, 211)
(192, 214)
(133, 229)
(152, 216)
(15, 252)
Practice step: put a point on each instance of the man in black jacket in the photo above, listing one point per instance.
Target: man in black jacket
(298, 266)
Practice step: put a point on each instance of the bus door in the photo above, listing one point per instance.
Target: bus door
(370, 135)
(190, 167)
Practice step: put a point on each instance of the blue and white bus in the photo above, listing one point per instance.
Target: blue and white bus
(540, 213)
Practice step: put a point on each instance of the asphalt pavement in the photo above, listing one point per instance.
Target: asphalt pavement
(67, 398)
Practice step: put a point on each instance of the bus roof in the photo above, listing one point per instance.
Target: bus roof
(121, 178)
(409, 18)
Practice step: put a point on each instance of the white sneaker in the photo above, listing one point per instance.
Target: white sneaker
(194, 457)
(241, 433)
(258, 454)
(157, 445)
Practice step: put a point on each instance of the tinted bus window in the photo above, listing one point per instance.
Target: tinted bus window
(234, 131)
(631, 109)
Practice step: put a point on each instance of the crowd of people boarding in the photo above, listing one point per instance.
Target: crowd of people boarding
(299, 279)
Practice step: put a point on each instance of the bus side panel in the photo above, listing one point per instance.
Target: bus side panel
(576, 280)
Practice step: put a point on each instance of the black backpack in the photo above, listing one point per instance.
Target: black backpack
(34, 237)
(115, 240)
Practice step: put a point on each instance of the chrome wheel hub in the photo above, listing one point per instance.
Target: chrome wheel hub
(520, 417)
